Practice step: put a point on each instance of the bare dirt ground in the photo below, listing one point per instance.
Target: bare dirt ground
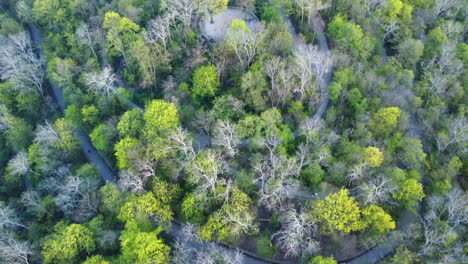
(223, 20)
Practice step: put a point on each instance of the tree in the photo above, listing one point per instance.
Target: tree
(205, 81)
(127, 150)
(111, 199)
(130, 123)
(322, 260)
(243, 42)
(161, 118)
(410, 52)
(121, 34)
(67, 244)
(102, 83)
(97, 259)
(377, 191)
(183, 10)
(19, 165)
(235, 218)
(373, 157)
(141, 247)
(101, 137)
(349, 37)
(19, 64)
(13, 250)
(385, 120)
(375, 217)
(295, 236)
(410, 191)
(338, 212)
(213, 6)
(226, 137)
(146, 205)
(87, 37)
(9, 218)
(204, 172)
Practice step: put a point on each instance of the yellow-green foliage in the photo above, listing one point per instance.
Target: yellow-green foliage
(373, 157)
(338, 212)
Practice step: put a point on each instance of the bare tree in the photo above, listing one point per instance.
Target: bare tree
(457, 133)
(32, 201)
(182, 144)
(87, 207)
(19, 165)
(390, 29)
(183, 11)
(281, 78)
(102, 82)
(310, 61)
(377, 190)
(46, 134)
(357, 171)
(204, 171)
(226, 137)
(372, 5)
(13, 250)
(444, 8)
(276, 177)
(159, 30)
(132, 181)
(9, 219)
(246, 44)
(295, 238)
(72, 192)
(86, 37)
(19, 64)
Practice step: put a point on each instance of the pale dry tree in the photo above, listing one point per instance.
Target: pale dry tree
(86, 37)
(276, 177)
(13, 250)
(46, 134)
(226, 137)
(377, 191)
(32, 201)
(205, 171)
(19, 165)
(245, 44)
(131, 180)
(101, 82)
(19, 64)
(9, 219)
(183, 10)
(295, 238)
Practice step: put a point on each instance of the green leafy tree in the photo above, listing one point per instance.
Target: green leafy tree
(410, 192)
(357, 101)
(349, 37)
(322, 260)
(373, 157)
(121, 34)
(160, 118)
(376, 218)
(235, 218)
(126, 150)
(403, 256)
(67, 140)
(102, 136)
(145, 206)
(90, 115)
(205, 81)
(385, 120)
(18, 132)
(130, 123)
(67, 244)
(112, 199)
(338, 212)
(141, 247)
(97, 259)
